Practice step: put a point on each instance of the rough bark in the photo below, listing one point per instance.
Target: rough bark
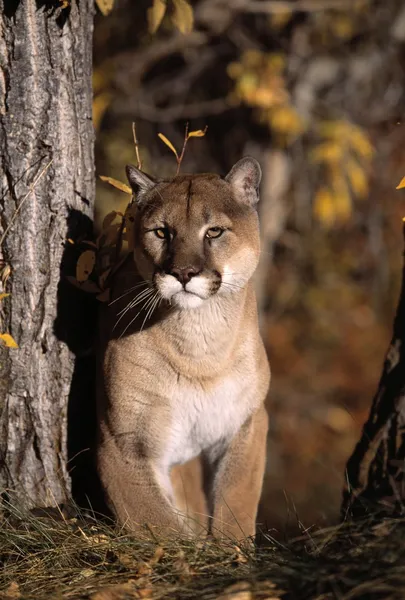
(375, 479)
(45, 115)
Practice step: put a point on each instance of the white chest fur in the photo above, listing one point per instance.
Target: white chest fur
(205, 420)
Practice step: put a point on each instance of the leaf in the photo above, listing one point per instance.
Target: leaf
(324, 209)
(3, 295)
(360, 143)
(123, 187)
(130, 226)
(183, 17)
(86, 286)
(401, 184)
(85, 265)
(104, 296)
(327, 152)
(105, 6)
(168, 143)
(5, 274)
(12, 592)
(8, 340)
(108, 219)
(155, 15)
(111, 235)
(102, 278)
(198, 133)
(357, 178)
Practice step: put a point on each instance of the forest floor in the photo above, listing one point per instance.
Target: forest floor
(75, 558)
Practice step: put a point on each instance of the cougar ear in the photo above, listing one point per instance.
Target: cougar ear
(244, 178)
(139, 182)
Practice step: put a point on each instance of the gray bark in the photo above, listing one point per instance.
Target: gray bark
(45, 115)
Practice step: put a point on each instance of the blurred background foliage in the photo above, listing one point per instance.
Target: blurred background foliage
(315, 89)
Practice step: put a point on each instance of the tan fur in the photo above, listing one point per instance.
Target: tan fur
(182, 422)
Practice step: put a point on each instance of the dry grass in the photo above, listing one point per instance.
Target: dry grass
(76, 558)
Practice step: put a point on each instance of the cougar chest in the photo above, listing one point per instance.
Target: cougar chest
(205, 417)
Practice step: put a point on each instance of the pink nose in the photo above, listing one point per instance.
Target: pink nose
(184, 275)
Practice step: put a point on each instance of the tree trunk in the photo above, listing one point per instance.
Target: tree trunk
(46, 173)
(375, 479)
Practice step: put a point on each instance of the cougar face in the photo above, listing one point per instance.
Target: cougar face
(195, 237)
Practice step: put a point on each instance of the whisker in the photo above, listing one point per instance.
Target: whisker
(135, 300)
(129, 291)
(151, 310)
(145, 296)
(147, 301)
(241, 287)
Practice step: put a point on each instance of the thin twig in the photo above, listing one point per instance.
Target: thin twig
(180, 158)
(17, 210)
(138, 158)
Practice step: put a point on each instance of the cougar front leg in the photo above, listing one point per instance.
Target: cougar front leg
(235, 478)
(138, 491)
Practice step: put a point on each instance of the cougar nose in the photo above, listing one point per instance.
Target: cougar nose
(184, 275)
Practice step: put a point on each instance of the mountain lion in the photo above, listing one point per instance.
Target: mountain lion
(184, 373)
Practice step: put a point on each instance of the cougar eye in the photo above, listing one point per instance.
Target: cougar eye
(161, 233)
(214, 232)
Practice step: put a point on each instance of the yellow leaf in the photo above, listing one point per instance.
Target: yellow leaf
(328, 152)
(85, 265)
(8, 340)
(123, 187)
(155, 15)
(183, 17)
(234, 70)
(357, 178)
(279, 19)
(401, 184)
(168, 143)
(333, 129)
(285, 119)
(3, 295)
(324, 209)
(198, 133)
(105, 6)
(360, 143)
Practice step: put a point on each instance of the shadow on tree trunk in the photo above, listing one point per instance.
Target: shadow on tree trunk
(375, 474)
(76, 326)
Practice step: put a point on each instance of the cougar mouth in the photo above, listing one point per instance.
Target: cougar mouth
(190, 294)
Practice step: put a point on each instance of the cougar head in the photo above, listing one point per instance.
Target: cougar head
(197, 235)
